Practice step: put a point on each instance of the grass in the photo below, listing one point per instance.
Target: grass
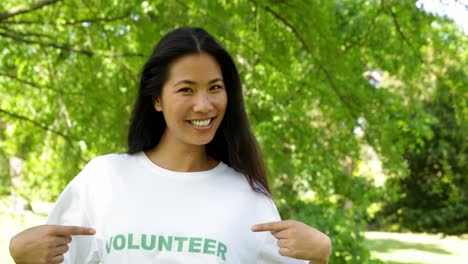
(399, 248)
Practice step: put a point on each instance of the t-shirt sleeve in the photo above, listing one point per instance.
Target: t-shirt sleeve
(70, 209)
(269, 250)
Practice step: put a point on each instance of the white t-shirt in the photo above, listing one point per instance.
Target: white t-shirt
(143, 213)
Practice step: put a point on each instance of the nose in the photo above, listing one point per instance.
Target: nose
(203, 103)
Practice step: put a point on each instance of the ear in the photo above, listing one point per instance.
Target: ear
(157, 103)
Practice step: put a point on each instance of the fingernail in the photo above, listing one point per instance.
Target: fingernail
(91, 231)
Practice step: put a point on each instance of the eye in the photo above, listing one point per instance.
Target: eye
(186, 90)
(216, 87)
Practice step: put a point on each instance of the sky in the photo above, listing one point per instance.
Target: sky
(454, 9)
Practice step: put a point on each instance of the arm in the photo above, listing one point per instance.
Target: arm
(298, 240)
(44, 244)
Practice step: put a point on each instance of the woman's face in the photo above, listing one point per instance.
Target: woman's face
(193, 99)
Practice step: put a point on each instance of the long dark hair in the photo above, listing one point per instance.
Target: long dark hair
(234, 142)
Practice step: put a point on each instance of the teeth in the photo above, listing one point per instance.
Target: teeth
(200, 123)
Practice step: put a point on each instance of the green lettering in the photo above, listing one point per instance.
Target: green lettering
(130, 242)
(119, 242)
(109, 245)
(180, 243)
(209, 244)
(166, 243)
(195, 242)
(222, 249)
(148, 242)
(143, 242)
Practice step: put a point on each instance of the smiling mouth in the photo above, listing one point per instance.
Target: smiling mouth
(201, 122)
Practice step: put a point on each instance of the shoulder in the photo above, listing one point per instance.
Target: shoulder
(110, 162)
(259, 203)
(97, 175)
(109, 159)
(241, 179)
(236, 180)
(101, 167)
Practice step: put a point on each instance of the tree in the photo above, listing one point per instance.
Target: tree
(69, 70)
(432, 197)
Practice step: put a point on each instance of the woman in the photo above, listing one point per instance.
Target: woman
(192, 187)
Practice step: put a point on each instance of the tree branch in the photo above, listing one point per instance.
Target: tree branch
(71, 22)
(465, 5)
(70, 48)
(327, 73)
(67, 138)
(18, 10)
(367, 36)
(396, 23)
(127, 68)
(54, 83)
(47, 44)
(26, 34)
(34, 85)
(37, 124)
(317, 62)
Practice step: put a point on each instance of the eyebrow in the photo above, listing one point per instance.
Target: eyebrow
(192, 82)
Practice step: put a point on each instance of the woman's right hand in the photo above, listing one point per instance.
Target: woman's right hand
(44, 244)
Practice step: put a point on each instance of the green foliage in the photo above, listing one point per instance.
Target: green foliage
(5, 181)
(341, 215)
(69, 70)
(434, 196)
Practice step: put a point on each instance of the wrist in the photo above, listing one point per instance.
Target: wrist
(12, 247)
(325, 250)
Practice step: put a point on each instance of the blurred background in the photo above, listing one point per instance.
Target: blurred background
(360, 107)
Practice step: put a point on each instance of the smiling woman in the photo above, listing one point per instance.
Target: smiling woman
(193, 101)
(193, 175)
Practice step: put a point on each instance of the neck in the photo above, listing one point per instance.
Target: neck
(176, 156)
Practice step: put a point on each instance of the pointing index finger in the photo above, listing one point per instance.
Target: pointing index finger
(272, 226)
(71, 230)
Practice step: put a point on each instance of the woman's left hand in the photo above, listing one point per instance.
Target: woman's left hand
(298, 240)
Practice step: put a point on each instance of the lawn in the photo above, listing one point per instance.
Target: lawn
(399, 248)
(392, 248)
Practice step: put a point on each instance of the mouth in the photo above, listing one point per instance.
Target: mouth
(201, 122)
